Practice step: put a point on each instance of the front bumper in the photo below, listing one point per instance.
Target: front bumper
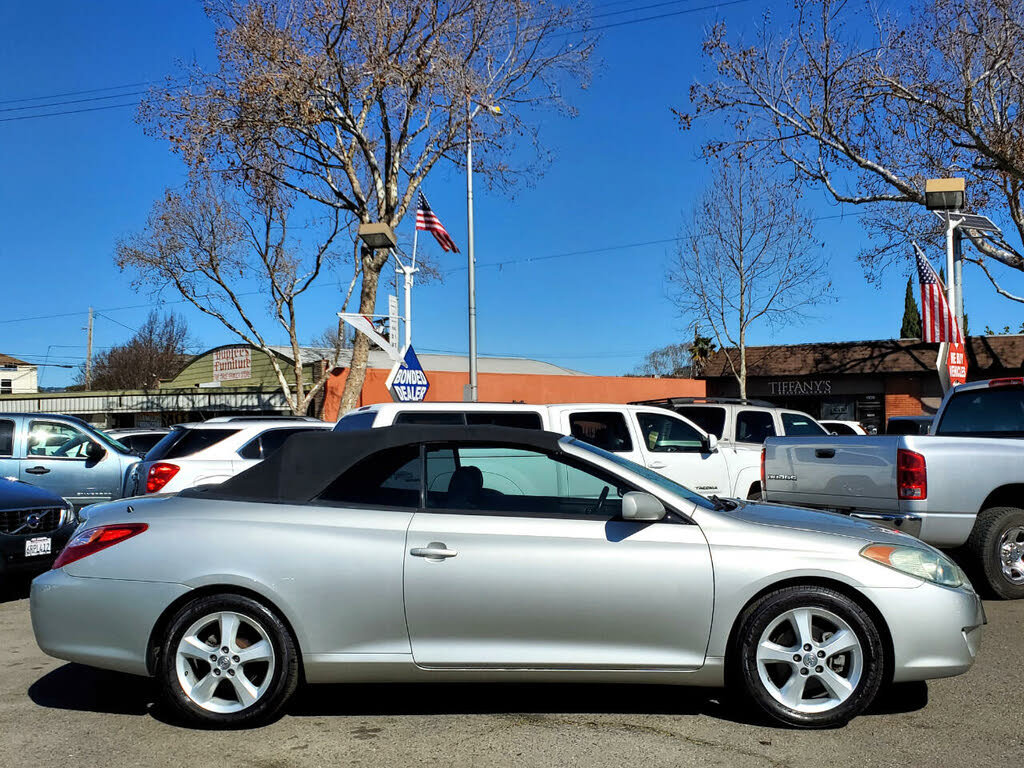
(104, 623)
(12, 551)
(936, 631)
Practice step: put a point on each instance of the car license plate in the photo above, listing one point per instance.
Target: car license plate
(37, 546)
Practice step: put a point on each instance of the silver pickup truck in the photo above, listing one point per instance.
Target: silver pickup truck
(961, 486)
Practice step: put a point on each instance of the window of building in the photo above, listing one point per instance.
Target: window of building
(754, 426)
(606, 430)
(6, 386)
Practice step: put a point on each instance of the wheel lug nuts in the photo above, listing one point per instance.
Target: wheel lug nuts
(231, 672)
(804, 671)
(236, 659)
(797, 657)
(216, 673)
(821, 654)
(807, 647)
(213, 657)
(819, 670)
(224, 649)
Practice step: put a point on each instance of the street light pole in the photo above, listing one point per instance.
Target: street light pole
(469, 255)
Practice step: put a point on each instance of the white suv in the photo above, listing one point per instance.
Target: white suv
(214, 450)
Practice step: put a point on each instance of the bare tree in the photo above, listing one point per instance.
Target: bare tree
(351, 103)
(747, 256)
(670, 360)
(155, 351)
(233, 257)
(867, 105)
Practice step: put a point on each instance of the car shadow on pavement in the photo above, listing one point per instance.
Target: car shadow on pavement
(82, 688)
(16, 588)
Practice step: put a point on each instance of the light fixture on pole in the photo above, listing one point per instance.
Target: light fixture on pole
(377, 235)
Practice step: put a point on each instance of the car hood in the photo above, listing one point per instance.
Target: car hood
(815, 521)
(18, 495)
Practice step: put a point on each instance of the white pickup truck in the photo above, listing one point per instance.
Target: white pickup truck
(650, 436)
(961, 486)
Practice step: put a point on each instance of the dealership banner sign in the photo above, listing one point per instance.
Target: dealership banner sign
(407, 381)
(232, 364)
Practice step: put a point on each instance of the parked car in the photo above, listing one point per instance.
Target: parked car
(138, 440)
(962, 486)
(652, 436)
(844, 427)
(908, 425)
(65, 456)
(35, 524)
(447, 553)
(214, 450)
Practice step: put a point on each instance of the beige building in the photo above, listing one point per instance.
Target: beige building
(17, 376)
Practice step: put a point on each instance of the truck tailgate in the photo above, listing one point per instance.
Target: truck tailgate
(833, 472)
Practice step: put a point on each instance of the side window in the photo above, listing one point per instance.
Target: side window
(800, 425)
(841, 429)
(6, 438)
(664, 433)
(602, 429)
(710, 419)
(389, 478)
(520, 419)
(56, 440)
(354, 421)
(514, 481)
(429, 417)
(754, 426)
(265, 444)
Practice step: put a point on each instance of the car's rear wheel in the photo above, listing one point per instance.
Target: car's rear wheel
(809, 656)
(996, 546)
(227, 661)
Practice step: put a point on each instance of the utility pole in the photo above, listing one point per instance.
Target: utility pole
(472, 262)
(88, 355)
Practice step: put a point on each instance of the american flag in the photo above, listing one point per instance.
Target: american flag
(426, 219)
(937, 322)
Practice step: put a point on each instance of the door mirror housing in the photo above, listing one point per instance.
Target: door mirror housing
(95, 451)
(642, 507)
(709, 444)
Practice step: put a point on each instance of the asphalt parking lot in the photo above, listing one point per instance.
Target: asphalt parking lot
(53, 713)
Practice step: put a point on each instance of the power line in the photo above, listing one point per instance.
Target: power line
(68, 112)
(65, 94)
(73, 101)
(710, 7)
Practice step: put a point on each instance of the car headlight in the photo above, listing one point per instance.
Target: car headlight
(915, 561)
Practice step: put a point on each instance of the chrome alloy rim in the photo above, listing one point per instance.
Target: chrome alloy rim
(1011, 554)
(810, 660)
(225, 662)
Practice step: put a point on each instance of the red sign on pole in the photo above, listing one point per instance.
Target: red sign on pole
(956, 363)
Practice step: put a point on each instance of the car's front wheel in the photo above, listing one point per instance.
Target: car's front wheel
(227, 661)
(809, 657)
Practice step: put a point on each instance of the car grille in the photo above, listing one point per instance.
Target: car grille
(20, 521)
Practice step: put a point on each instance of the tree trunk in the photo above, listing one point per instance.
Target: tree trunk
(361, 346)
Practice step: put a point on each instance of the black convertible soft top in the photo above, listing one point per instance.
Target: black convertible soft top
(308, 462)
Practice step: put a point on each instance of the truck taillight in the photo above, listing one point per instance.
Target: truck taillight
(911, 475)
(91, 541)
(1015, 381)
(763, 486)
(159, 475)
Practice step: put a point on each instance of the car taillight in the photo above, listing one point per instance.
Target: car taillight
(91, 541)
(911, 475)
(763, 486)
(159, 475)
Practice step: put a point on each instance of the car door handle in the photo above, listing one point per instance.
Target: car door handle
(37, 470)
(825, 453)
(657, 465)
(435, 550)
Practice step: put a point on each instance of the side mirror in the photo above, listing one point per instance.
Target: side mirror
(710, 444)
(95, 451)
(642, 507)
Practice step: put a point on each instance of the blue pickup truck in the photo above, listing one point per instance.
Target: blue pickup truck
(64, 455)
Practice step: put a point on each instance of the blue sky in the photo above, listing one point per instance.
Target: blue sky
(622, 173)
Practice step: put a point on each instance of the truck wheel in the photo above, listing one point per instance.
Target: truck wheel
(996, 546)
(808, 656)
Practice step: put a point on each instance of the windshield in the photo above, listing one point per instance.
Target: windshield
(660, 480)
(111, 442)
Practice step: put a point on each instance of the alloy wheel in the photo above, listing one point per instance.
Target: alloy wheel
(810, 660)
(1011, 554)
(225, 662)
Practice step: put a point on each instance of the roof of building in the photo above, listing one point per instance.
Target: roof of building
(986, 356)
(8, 360)
(433, 362)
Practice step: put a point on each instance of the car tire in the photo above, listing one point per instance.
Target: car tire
(817, 680)
(996, 529)
(247, 684)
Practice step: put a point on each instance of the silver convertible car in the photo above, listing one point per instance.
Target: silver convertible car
(444, 553)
